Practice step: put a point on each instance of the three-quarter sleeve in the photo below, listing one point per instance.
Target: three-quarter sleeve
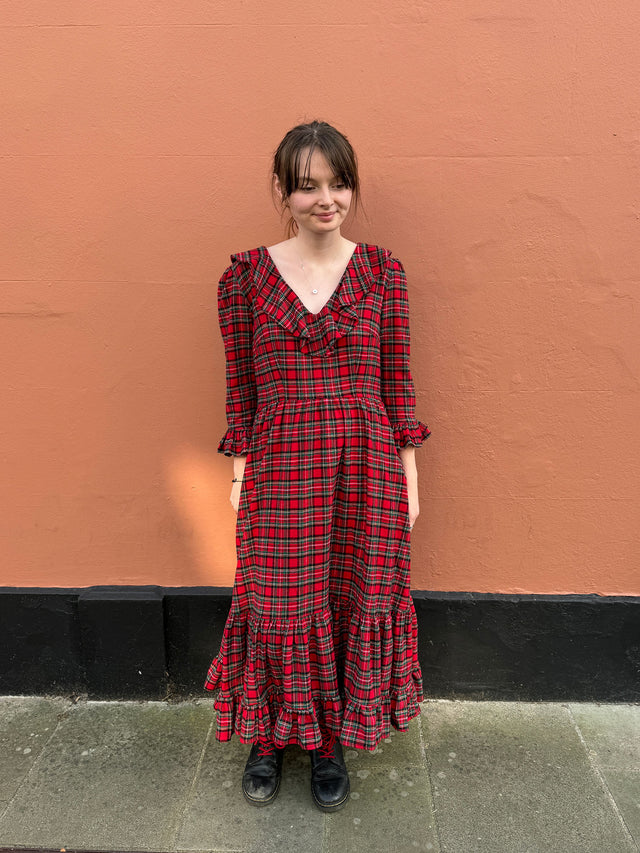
(397, 388)
(236, 326)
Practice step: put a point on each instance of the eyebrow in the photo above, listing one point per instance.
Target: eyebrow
(309, 180)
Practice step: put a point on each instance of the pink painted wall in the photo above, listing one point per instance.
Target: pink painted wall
(499, 148)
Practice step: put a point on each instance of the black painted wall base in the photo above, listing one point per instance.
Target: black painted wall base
(152, 643)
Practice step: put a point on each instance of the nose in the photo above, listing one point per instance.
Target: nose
(325, 197)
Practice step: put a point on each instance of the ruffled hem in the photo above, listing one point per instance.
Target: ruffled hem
(356, 725)
(272, 719)
(277, 679)
(235, 441)
(365, 725)
(413, 433)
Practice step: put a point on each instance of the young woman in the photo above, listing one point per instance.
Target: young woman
(320, 645)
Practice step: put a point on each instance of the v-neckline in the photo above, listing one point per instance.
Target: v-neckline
(295, 295)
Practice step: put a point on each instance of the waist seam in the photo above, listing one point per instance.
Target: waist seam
(365, 397)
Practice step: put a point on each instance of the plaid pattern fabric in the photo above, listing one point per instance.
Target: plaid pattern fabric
(322, 629)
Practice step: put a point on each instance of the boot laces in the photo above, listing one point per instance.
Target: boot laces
(265, 748)
(325, 750)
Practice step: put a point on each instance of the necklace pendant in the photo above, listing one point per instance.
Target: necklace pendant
(315, 290)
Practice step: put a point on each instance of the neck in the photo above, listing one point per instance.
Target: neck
(319, 246)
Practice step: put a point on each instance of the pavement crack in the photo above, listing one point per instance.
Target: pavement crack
(602, 779)
(60, 719)
(175, 835)
(427, 764)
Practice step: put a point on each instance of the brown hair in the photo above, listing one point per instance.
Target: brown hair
(320, 136)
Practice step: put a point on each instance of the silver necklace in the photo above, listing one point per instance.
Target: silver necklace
(314, 289)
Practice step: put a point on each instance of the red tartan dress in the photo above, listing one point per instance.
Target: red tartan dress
(322, 628)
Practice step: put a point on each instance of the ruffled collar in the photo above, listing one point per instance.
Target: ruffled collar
(317, 333)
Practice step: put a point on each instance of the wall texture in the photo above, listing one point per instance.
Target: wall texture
(499, 148)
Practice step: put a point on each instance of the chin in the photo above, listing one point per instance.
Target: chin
(329, 225)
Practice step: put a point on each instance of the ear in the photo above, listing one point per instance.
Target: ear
(277, 188)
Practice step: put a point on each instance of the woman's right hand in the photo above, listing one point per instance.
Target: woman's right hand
(235, 495)
(239, 464)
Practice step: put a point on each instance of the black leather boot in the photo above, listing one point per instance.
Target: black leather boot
(262, 774)
(329, 777)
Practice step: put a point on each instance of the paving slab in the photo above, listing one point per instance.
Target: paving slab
(218, 818)
(612, 736)
(611, 732)
(26, 724)
(625, 789)
(390, 809)
(467, 776)
(515, 777)
(114, 776)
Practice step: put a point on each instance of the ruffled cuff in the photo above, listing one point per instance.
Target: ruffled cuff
(413, 432)
(235, 441)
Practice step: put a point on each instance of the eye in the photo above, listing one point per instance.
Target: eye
(339, 186)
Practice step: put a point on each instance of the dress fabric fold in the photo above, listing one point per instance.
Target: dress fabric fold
(322, 630)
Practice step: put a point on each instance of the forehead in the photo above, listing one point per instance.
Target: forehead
(316, 166)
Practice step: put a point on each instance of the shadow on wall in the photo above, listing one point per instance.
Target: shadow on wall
(207, 519)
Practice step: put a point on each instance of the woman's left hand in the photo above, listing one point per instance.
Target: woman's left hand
(408, 457)
(414, 505)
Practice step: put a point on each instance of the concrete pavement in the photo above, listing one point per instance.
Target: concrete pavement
(469, 777)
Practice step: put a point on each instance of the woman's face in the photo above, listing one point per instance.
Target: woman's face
(321, 202)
